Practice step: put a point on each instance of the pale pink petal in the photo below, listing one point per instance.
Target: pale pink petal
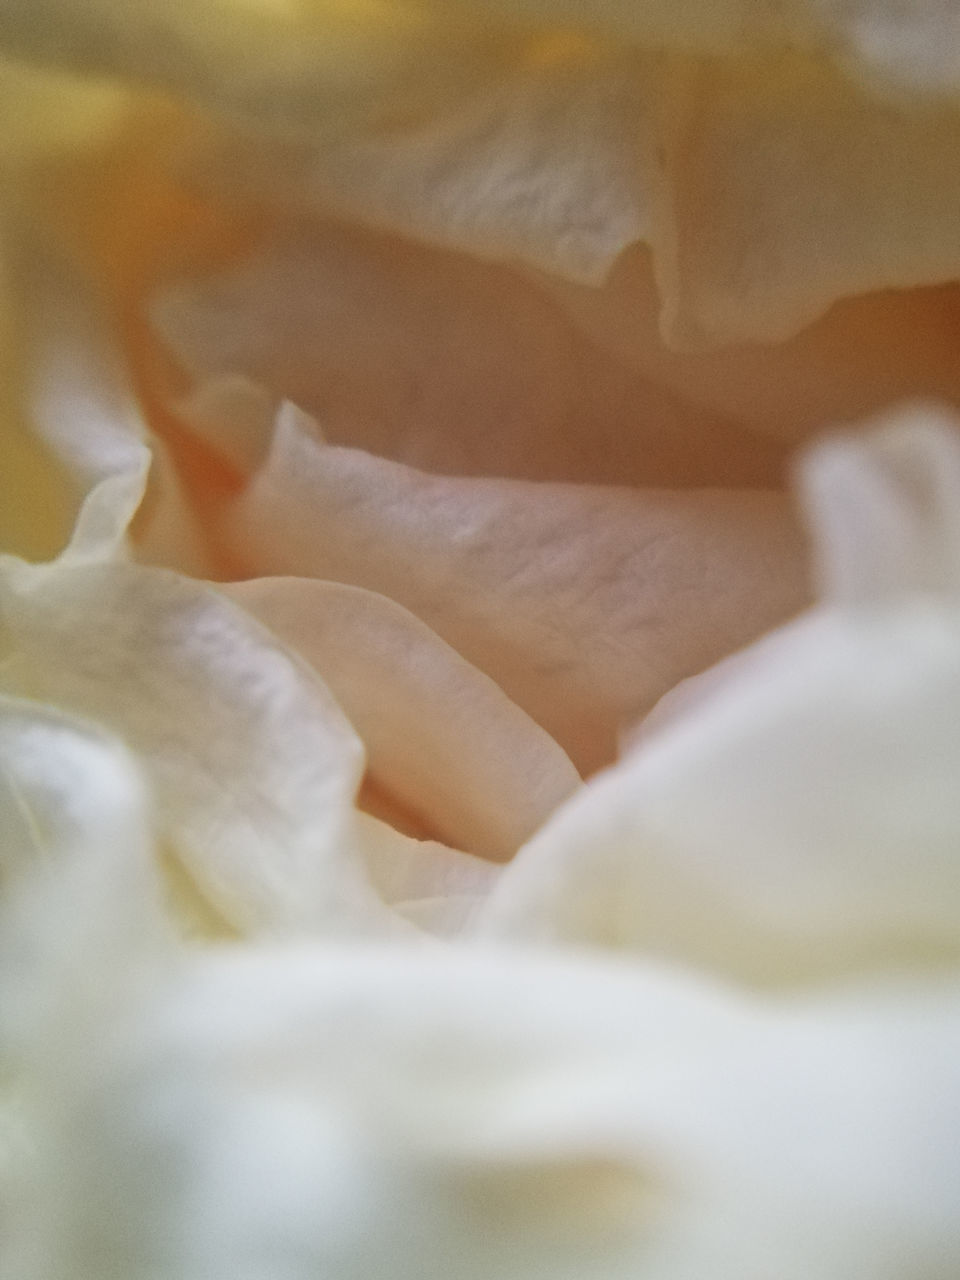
(585, 604)
(439, 735)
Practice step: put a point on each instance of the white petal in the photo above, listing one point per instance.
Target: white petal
(253, 764)
(372, 1112)
(79, 405)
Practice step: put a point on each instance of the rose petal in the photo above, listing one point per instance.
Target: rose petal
(303, 67)
(77, 876)
(864, 355)
(68, 792)
(444, 363)
(545, 162)
(254, 766)
(404, 869)
(786, 188)
(439, 735)
(75, 406)
(351, 1111)
(798, 818)
(584, 604)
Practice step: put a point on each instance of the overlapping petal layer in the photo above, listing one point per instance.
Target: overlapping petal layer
(798, 816)
(765, 158)
(374, 1112)
(327, 755)
(584, 603)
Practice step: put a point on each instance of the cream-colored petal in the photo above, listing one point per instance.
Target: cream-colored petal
(799, 817)
(253, 766)
(787, 188)
(864, 355)
(80, 895)
(382, 1112)
(439, 736)
(913, 46)
(275, 63)
(40, 527)
(68, 793)
(584, 604)
(561, 135)
(404, 869)
(884, 42)
(547, 163)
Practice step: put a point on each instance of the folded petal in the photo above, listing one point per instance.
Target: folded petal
(383, 1112)
(788, 188)
(439, 736)
(584, 604)
(253, 765)
(865, 354)
(73, 405)
(80, 892)
(445, 363)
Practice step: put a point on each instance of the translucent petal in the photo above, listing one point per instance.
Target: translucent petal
(36, 124)
(68, 793)
(74, 405)
(405, 870)
(561, 134)
(300, 67)
(79, 891)
(547, 162)
(864, 355)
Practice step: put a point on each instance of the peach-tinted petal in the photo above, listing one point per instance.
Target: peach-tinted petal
(786, 189)
(867, 353)
(799, 816)
(446, 363)
(439, 736)
(585, 604)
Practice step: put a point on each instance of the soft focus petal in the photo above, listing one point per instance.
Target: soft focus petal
(454, 125)
(800, 817)
(407, 872)
(75, 406)
(79, 891)
(68, 793)
(547, 162)
(370, 1112)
